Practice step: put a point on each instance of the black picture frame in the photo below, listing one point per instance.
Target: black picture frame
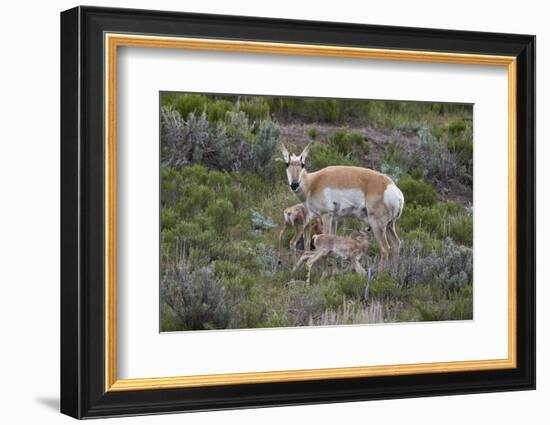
(82, 218)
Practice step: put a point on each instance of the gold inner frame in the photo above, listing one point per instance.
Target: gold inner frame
(113, 41)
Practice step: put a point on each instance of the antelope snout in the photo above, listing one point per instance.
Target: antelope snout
(294, 186)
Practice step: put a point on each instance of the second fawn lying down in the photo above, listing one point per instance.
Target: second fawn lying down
(336, 246)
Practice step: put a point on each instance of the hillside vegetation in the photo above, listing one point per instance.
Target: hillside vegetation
(224, 188)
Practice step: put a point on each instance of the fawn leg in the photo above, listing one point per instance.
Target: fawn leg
(305, 256)
(356, 265)
(294, 240)
(312, 260)
(281, 233)
(307, 237)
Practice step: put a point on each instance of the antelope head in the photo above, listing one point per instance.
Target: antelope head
(295, 167)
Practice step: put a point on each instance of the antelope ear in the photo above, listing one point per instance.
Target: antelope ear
(305, 152)
(285, 153)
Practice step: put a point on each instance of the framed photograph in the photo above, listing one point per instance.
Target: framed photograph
(261, 212)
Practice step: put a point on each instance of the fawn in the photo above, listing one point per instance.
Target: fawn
(298, 217)
(336, 246)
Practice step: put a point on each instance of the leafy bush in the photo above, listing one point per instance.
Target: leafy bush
(457, 126)
(256, 109)
(463, 147)
(417, 192)
(347, 144)
(392, 154)
(340, 142)
(194, 104)
(424, 240)
(321, 156)
(383, 287)
(441, 220)
(312, 133)
(355, 138)
(458, 307)
(461, 229)
(417, 173)
(362, 145)
(348, 286)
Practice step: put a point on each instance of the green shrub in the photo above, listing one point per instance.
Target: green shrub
(427, 243)
(461, 229)
(417, 192)
(392, 154)
(168, 218)
(457, 126)
(218, 110)
(359, 143)
(458, 307)
(364, 147)
(277, 319)
(352, 286)
(222, 215)
(356, 139)
(226, 269)
(461, 146)
(383, 287)
(190, 104)
(256, 109)
(321, 156)
(312, 133)
(340, 142)
(417, 173)
(330, 289)
(434, 219)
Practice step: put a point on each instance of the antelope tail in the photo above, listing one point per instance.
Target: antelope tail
(394, 201)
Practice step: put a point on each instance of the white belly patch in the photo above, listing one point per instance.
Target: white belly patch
(344, 202)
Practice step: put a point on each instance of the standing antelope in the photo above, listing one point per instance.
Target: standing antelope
(336, 246)
(298, 217)
(359, 192)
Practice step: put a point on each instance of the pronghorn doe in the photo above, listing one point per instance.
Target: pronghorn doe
(359, 192)
(337, 246)
(298, 217)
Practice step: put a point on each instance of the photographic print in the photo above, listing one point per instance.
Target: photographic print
(290, 211)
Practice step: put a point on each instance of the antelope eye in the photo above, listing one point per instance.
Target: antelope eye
(303, 165)
(286, 163)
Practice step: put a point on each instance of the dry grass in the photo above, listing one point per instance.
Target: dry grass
(352, 312)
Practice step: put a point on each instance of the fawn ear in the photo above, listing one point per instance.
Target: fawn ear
(304, 154)
(285, 153)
